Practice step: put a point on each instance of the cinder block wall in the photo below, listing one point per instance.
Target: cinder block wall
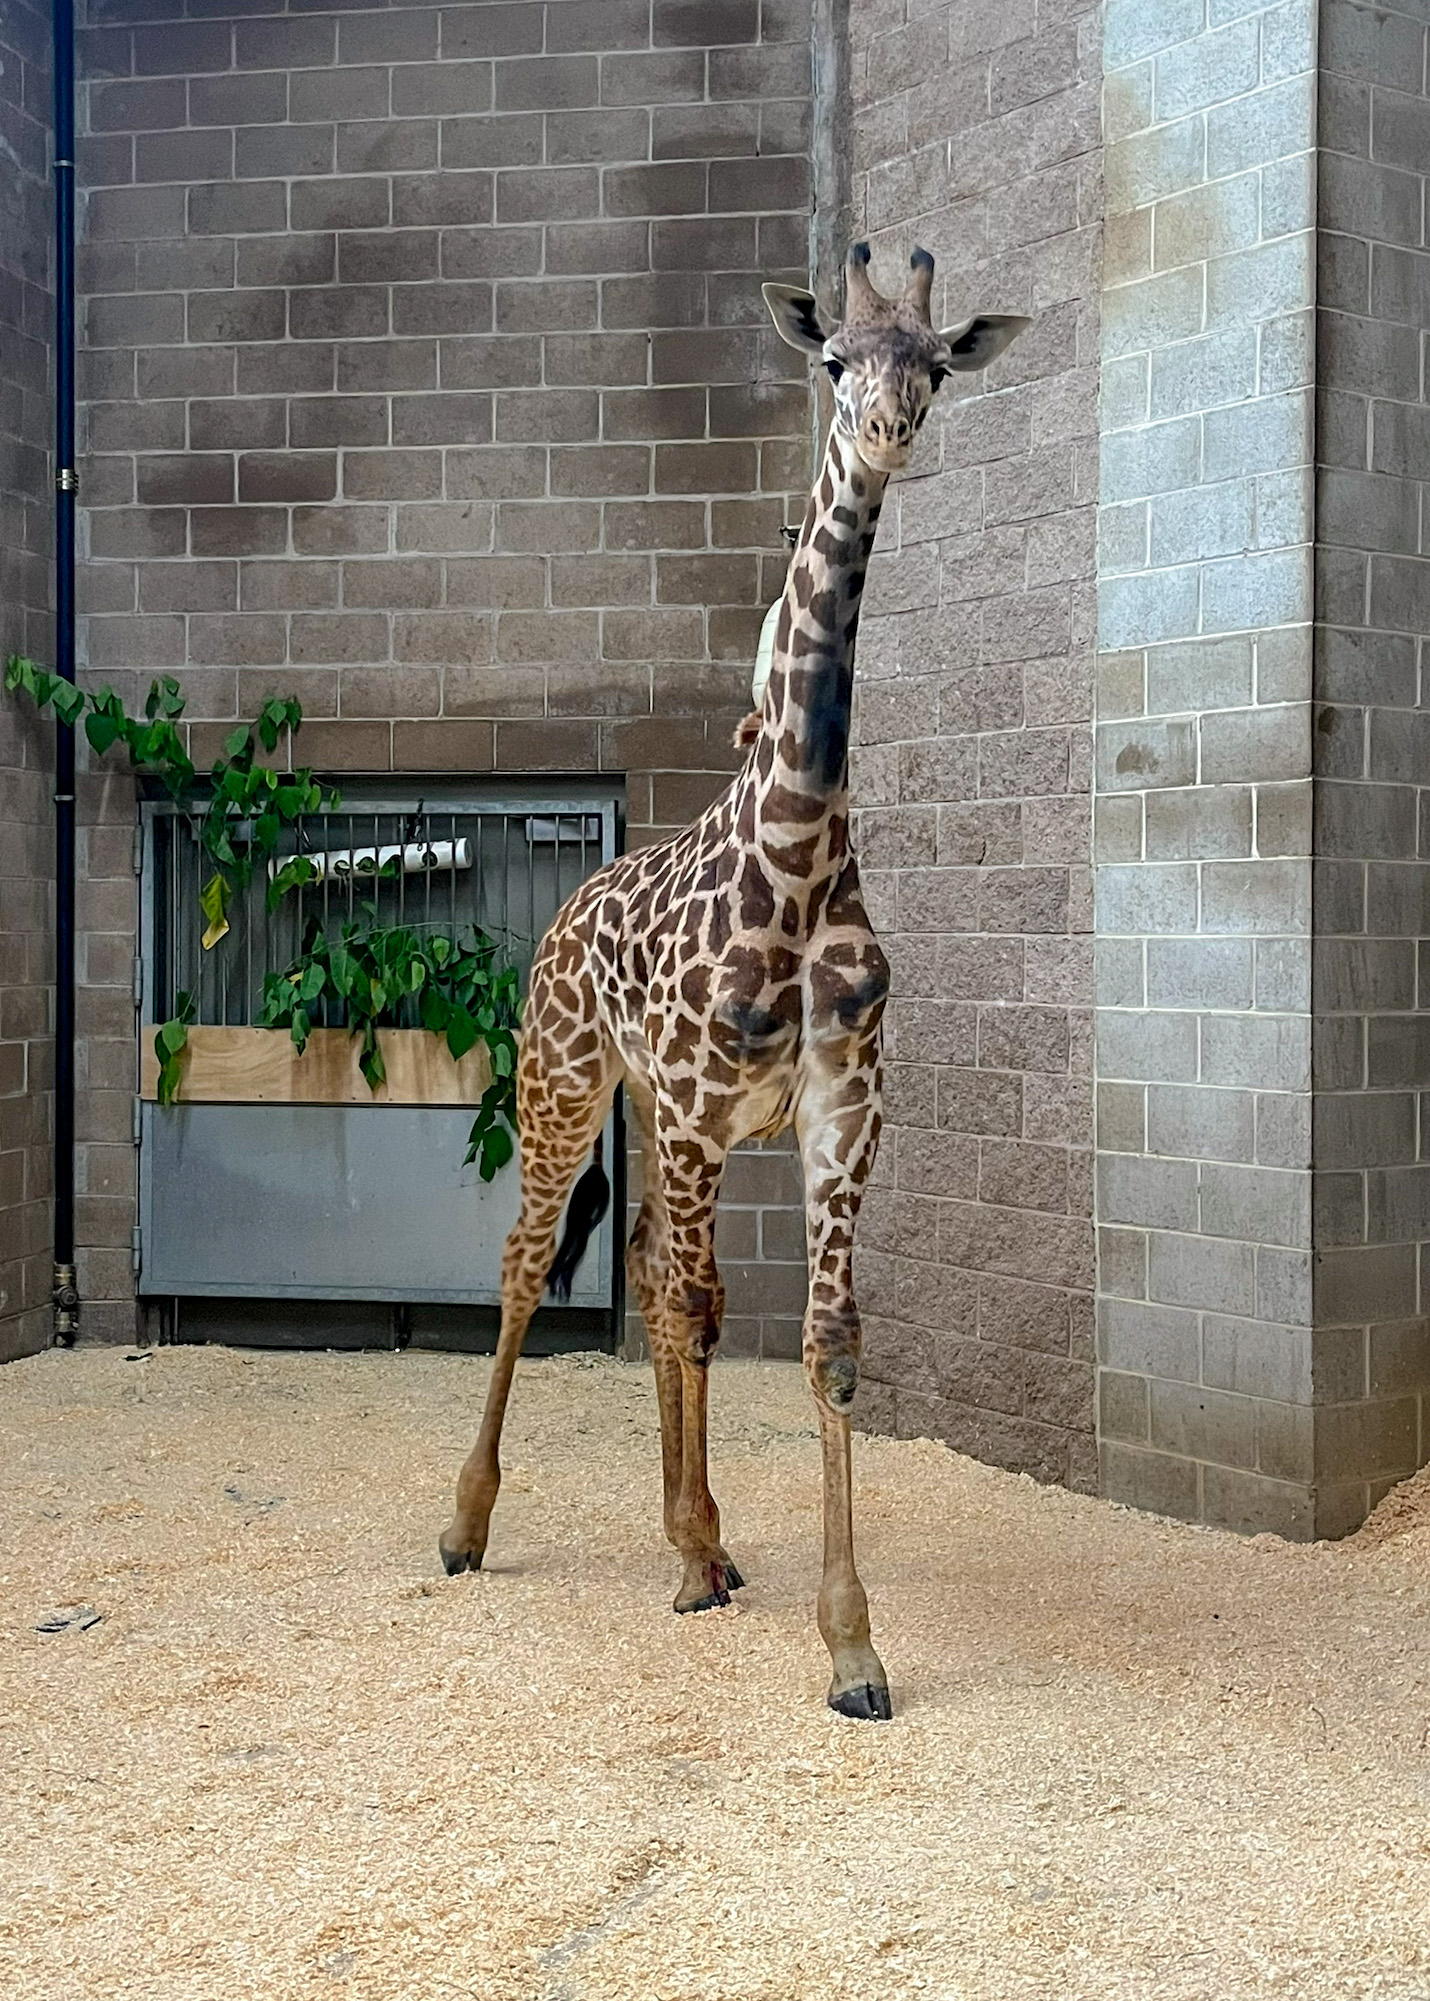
(26, 783)
(1371, 965)
(427, 376)
(1261, 884)
(976, 133)
(1203, 834)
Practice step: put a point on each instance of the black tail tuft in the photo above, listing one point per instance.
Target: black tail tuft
(590, 1199)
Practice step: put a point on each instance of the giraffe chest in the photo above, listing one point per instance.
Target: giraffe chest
(709, 1012)
(732, 1018)
(719, 983)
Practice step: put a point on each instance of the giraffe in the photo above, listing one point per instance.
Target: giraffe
(731, 980)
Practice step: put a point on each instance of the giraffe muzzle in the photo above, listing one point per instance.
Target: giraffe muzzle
(885, 444)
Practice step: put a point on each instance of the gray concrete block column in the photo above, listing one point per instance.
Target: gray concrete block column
(1258, 1058)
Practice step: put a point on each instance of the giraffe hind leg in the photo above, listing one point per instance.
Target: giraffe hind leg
(559, 1119)
(648, 1283)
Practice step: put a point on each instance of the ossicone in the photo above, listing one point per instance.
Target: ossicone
(919, 291)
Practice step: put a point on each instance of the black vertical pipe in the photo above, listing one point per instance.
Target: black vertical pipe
(66, 1293)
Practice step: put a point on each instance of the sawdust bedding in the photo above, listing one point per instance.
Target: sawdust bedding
(290, 1759)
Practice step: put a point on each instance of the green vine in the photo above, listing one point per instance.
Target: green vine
(378, 976)
(247, 806)
(373, 975)
(171, 1039)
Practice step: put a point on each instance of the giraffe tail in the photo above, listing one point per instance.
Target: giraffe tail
(590, 1199)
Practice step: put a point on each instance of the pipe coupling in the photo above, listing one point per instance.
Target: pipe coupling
(64, 1297)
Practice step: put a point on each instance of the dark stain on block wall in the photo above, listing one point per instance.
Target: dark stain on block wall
(426, 374)
(26, 743)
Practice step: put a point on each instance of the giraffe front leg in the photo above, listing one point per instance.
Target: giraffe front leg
(860, 1686)
(838, 1127)
(648, 1266)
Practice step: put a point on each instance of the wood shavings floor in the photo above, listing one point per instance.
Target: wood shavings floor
(1130, 1759)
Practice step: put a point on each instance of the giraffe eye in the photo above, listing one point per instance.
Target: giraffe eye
(936, 380)
(835, 367)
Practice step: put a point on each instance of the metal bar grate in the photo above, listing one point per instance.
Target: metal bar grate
(505, 871)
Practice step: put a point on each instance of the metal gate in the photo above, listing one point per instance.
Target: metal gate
(365, 1214)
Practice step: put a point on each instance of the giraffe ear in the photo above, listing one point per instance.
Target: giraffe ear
(796, 317)
(978, 341)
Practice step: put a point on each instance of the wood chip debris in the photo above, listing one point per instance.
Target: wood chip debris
(1131, 1760)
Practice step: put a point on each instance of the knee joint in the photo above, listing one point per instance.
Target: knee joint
(696, 1309)
(831, 1355)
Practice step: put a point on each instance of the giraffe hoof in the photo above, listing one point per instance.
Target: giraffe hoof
(456, 1560)
(867, 1700)
(709, 1587)
(709, 1603)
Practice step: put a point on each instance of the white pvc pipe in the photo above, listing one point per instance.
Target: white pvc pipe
(414, 857)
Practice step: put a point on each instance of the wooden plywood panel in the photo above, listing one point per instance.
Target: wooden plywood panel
(256, 1066)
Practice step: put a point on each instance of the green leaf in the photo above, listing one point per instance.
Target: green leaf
(102, 731)
(313, 981)
(170, 1042)
(371, 1062)
(164, 698)
(277, 714)
(171, 1038)
(343, 970)
(462, 1033)
(299, 870)
(237, 741)
(68, 702)
(213, 902)
(496, 1151)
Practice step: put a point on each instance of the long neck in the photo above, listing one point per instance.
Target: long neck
(797, 807)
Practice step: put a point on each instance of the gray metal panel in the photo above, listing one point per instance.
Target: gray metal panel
(332, 1202)
(350, 1202)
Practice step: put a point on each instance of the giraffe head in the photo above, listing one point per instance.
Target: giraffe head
(886, 359)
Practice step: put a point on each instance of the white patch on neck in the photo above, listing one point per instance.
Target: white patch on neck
(764, 654)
